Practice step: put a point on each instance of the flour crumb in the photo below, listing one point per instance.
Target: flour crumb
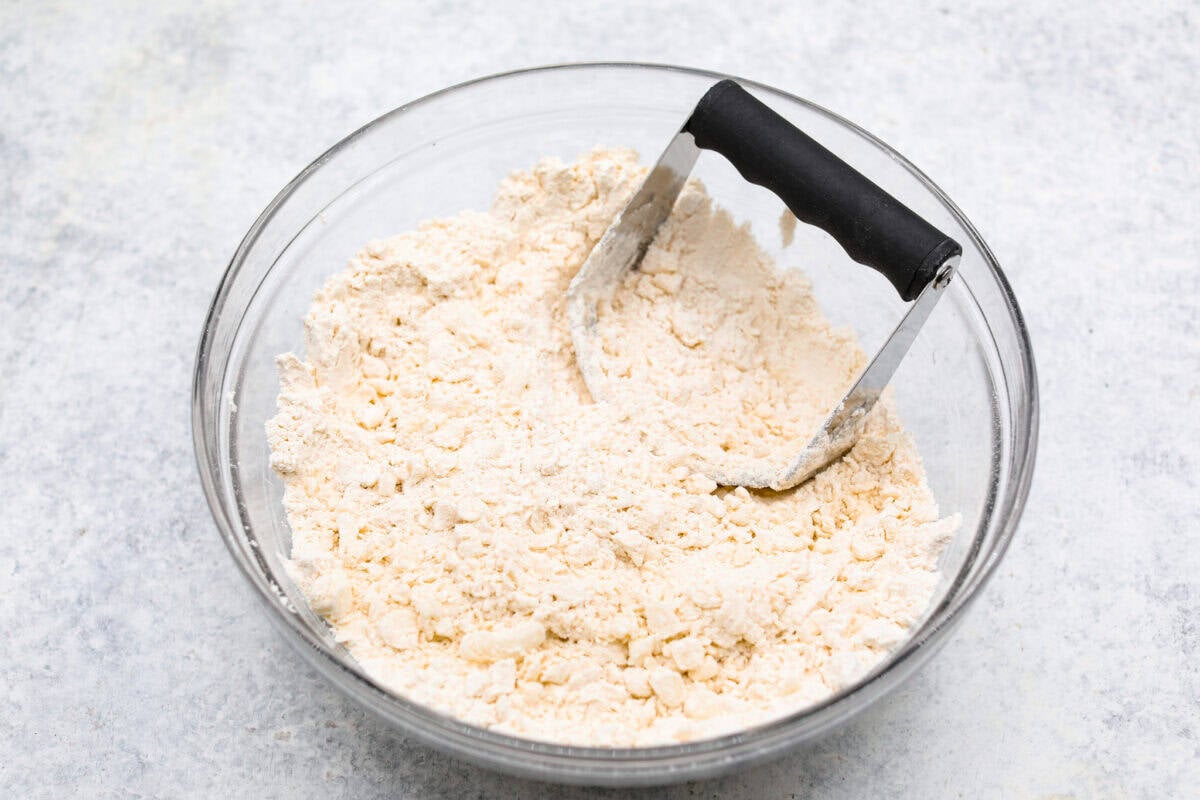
(787, 227)
(489, 542)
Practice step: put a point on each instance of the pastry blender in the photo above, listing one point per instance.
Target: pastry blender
(872, 227)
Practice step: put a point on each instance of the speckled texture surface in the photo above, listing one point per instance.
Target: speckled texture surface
(138, 145)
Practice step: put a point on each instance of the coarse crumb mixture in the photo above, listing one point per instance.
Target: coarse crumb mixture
(489, 542)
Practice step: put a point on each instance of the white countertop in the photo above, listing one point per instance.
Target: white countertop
(139, 144)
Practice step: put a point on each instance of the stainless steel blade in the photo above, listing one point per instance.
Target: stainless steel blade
(842, 428)
(621, 249)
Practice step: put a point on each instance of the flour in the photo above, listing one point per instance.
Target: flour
(489, 542)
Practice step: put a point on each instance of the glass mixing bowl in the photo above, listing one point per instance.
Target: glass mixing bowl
(967, 390)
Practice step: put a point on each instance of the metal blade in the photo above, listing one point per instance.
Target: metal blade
(843, 427)
(622, 248)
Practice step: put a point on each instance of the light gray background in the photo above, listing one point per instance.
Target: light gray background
(139, 141)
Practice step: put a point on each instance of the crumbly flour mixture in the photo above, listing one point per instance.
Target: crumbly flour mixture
(489, 542)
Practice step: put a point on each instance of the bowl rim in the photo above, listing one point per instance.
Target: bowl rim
(590, 761)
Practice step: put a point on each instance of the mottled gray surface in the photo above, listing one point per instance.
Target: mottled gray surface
(139, 143)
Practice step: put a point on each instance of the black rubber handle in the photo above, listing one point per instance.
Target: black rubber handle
(873, 227)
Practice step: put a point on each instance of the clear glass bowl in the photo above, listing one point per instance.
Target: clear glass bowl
(967, 390)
